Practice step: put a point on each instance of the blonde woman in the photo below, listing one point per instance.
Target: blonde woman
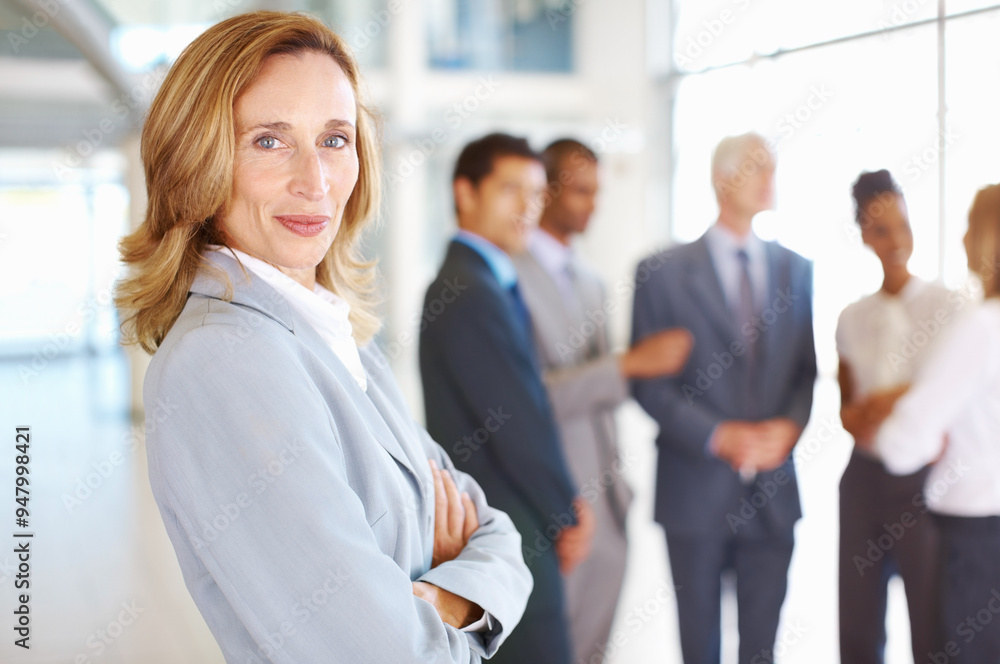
(313, 520)
(950, 417)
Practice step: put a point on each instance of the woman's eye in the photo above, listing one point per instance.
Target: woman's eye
(267, 142)
(334, 142)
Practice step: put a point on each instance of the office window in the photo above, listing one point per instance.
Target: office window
(832, 110)
(719, 32)
(973, 99)
(513, 35)
(58, 245)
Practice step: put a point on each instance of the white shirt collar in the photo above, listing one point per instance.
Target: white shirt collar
(323, 310)
(723, 246)
(722, 239)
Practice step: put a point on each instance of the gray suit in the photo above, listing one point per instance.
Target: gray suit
(585, 386)
(301, 507)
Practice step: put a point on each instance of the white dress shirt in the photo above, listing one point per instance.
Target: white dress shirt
(955, 395)
(326, 312)
(723, 247)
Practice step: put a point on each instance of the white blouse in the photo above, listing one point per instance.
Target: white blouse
(952, 415)
(885, 338)
(322, 309)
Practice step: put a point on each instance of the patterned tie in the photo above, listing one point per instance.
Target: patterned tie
(744, 316)
(745, 311)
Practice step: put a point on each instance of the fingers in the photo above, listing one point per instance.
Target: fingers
(424, 591)
(564, 554)
(456, 510)
(471, 517)
(571, 549)
(440, 505)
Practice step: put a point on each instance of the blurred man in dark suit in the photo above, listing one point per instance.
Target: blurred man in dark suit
(727, 495)
(483, 392)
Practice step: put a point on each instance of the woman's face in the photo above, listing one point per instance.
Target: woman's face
(296, 163)
(886, 229)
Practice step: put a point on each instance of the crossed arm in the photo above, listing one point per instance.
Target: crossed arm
(275, 468)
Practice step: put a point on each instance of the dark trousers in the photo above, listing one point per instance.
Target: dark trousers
(971, 607)
(542, 635)
(760, 561)
(885, 530)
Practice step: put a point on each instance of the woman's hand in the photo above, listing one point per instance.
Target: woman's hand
(455, 517)
(862, 419)
(454, 610)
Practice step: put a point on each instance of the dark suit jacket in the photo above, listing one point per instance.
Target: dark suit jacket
(698, 493)
(484, 397)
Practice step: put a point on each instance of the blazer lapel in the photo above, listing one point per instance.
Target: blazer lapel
(371, 414)
(703, 283)
(778, 279)
(254, 293)
(549, 314)
(470, 259)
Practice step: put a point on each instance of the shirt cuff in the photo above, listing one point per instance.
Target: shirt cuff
(712, 445)
(482, 626)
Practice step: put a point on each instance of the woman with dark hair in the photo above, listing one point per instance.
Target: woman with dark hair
(313, 519)
(882, 340)
(951, 417)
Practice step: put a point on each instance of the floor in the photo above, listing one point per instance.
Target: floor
(105, 586)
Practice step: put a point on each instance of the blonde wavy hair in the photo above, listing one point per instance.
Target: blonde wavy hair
(188, 151)
(984, 238)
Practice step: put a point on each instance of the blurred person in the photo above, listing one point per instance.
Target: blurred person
(949, 418)
(483, 392)
(313, 520)
(726, 491)
(586, 381)
(880, 349)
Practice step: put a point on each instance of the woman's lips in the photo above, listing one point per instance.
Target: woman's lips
(303, 224)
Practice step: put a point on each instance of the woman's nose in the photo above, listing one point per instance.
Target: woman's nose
(309, 176)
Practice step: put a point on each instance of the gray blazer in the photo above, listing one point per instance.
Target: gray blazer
(696, 492)
(583, 378)
(301, 507)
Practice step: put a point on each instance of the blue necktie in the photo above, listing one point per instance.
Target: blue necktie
(524, 322)
(521, 309)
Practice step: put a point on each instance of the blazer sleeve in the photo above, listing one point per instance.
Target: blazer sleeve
(490, 571)
(250, 465)
(579, 391)
(492, 375)
(684, 422)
